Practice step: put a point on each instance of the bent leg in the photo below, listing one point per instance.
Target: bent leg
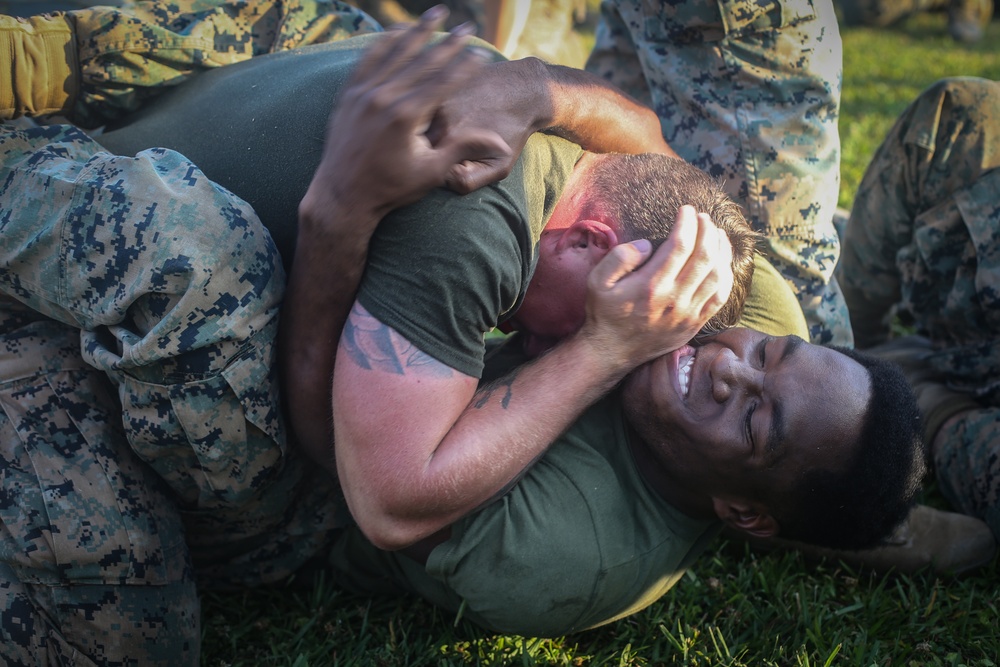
(967, 464)
(921, 230)
(174, 286)
(92, 555)
(924, 236)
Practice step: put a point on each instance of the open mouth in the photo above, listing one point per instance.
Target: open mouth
(685, 362)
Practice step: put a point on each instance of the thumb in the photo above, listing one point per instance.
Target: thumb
(475, 159)
(622, 260)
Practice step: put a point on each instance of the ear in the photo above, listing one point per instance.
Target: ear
(593, 235)
(746, 517)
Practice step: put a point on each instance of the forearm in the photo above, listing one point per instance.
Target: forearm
(591, 112)
(406, 479)
(316, 306)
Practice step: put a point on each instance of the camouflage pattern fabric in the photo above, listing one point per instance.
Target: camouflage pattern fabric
(169, 286)
(128, 54)
(79, 507)
(923, 241)
(140, 413)
(749, 92)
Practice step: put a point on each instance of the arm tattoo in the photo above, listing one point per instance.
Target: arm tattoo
(375, 346)
(506, 384)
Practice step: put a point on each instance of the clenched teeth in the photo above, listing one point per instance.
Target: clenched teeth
(684, 374)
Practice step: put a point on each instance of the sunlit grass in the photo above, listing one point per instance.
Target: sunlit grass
(885, 69)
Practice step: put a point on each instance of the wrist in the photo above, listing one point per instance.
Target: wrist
(597, 359)
(541, 86)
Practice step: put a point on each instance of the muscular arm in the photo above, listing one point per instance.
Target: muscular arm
(520, 97)
(417, 446)
(376, 157)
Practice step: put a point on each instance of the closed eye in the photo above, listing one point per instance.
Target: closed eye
(762, 349)
(748, 426)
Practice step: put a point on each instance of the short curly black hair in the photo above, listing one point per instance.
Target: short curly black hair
(859, 505)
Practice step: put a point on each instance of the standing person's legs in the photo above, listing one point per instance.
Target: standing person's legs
(751, 94)
(93, 565)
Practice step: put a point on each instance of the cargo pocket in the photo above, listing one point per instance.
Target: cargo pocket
(78, 506)
(217, 440)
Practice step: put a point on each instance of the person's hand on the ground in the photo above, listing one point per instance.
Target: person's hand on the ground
(377, 155)
(637, 312)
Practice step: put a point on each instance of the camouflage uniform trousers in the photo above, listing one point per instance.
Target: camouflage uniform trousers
(141, 442)
(923, 241)
(749, 92)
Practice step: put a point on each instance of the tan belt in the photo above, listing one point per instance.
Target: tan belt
(38, 66)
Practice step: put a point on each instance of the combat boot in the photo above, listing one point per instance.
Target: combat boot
(946, 542)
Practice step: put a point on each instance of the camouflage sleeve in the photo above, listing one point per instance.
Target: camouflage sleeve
(175, 286)
(95, 65)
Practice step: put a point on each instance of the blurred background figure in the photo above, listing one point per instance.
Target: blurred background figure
(966, 18)
(32, 7)
(546, 29)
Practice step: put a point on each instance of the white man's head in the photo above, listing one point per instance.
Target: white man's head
(614, 199)
(776, 435)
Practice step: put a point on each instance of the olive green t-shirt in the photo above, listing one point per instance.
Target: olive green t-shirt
(449, 268)
(579, 541)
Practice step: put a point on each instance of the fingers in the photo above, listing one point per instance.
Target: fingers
(401, 56)
(402, 76)
(712, 275)
(474, 158)
(388, 54)
(622, 260)
(664, 267)
(693, 267)
(434, 75)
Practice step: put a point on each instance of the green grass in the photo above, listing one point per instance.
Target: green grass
(885, 69)
(736, 607)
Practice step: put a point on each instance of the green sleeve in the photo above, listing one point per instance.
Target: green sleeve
(447, 269)
(771, 306)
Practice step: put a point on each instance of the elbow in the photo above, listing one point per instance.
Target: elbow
(389, 524)
(390, 533)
